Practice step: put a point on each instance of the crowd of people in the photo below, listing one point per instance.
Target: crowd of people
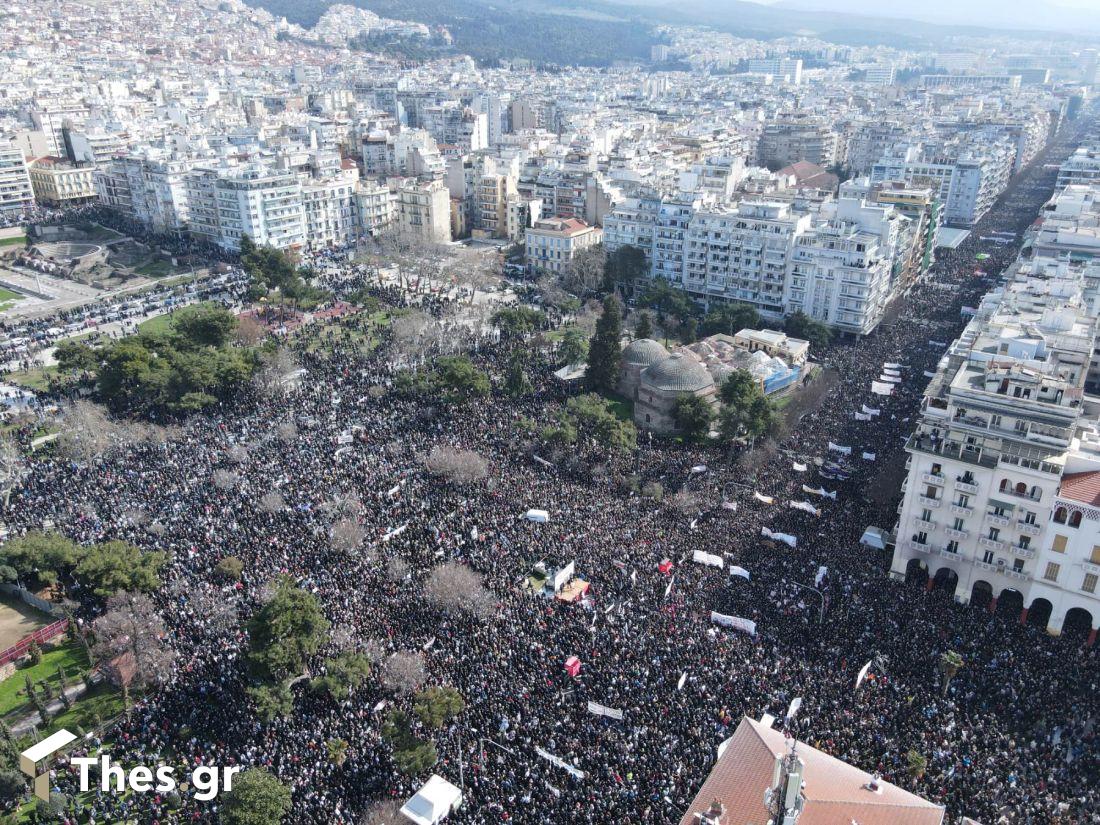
(1012, 738)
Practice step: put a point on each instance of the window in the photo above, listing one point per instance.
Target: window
(1025, 542)
(964, 501)
(1060, 515)
(1095, 557)
(994, 533)
(1059, 544)
(1018, 565)
(959, 524)
(952, 546)
(1051, 573)
(930, 491)
(987, 557)
(925, 514)
(1075, 519)
(1089, 584)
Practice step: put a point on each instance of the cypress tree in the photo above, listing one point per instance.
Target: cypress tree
(605, 349)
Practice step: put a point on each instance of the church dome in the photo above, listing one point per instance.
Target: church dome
(678, 373)
(644, 352)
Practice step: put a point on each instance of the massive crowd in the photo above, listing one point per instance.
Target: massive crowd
(1011, 740)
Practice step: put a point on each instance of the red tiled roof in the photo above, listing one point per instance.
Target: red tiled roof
(835, 792)
(1082, 487)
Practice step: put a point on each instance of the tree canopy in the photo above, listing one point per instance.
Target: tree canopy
(257, 798)
(605, 348)
(285, 632)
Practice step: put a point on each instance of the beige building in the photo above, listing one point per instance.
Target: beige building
(552, 242)
(424, 210)
(57, 182)
(654, 380)
(775, 344)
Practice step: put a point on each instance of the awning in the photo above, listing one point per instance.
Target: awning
(1004, 504)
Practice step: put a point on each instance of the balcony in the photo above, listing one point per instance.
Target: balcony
(1022, 552)
(1028, 528)
(932, 478)
(929, 502)
(919, 547)
(993, 544)
(966, 487)
(924, 525)
(959, 535)
(1091, 567)
(1024, 496)
(923, 444)
(960, 510)
(1016, 574)
(993, 518)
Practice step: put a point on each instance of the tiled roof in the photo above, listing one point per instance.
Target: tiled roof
(1082, 487)
(835, 791)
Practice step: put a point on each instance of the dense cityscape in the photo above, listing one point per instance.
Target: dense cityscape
(423, 412)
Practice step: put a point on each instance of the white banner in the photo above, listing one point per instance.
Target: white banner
(889, 365)
(820, 491)
(932, 343)
(929, 374)
(862, 674)
(861, 417)
(891, 372)
(799, 468)
(740, 571)
(395, 532)
(796, 703)
(805, 506)
(729, 505)
(562, 577)
(881, 389)
(786, 538)
(708, 559)
(822, 572)
(869, 456)
(604, 710)
(344, 438)
(871, 410)
(561, 763)
(683, 678)
(840, 448)
(735, 622)
(763, 498)
(889, 379)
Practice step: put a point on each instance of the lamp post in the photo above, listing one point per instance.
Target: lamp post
(821, 619)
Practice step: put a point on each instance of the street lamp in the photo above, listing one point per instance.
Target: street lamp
(821, 619)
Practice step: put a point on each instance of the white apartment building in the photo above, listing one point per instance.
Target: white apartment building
(491, 196)
(148, 187)
(330, 209)
(1081, 168)
(57, 182)
(16, 192)
(264, 204)
(1002, 487)
(376, 205)
(552, 242)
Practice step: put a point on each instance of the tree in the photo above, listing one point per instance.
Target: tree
(115, 565)
(917, 763)
(436, 706)
(230, 568)
(456, 588)
(342, 675)
(729, 319)
(456, 465)
(517, 322)
(285, 632)
(12, 786)
(383, 812)
(644, 327)
(573, 347)
(516, 382)
(459, 380)
(257, 798)
(346, 535)
(337, 751)
(747, 412)
(43, 555)
(586, 273)
(950, 665)
(404, 672)
(129, 642)
(204, 325)
(626, 266)
(605, 348)
(801, 325)
(693, 415)
(411, 754)
(75, 356)
(592, 415)
(273, 701)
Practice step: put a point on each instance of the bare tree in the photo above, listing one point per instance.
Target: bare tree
(686, 502)
(224, 479)
(410, 336)
(383, 812)
(404, 672)
(86, 431)
(455, 588)
(12, 466)
(249, 332)
(287, 431)
(129, 642)
(585, 273)
(277, 374)
(397, 570)
(272, 502)
(344, 505)
(474, 270)
(238, 454)
(456, 465)
(346, 535)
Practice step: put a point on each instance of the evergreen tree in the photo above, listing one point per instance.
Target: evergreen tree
(644, 327)
(517, 383)
(605, 349)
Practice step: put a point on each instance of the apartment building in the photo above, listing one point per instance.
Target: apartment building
(16, 192)
(790, 138)
(262, 203)
(491, 196)
(552, 242)
(57, 182)
(424, 210)
(1004, 464)
(330, 209)
(376, 206)
(1081, 168)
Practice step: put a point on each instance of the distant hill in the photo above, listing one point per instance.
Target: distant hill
(601, 32)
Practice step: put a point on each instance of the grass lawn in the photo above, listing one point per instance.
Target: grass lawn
(159, 323)
(17, 239)
(37, 379)
(69, 656)
(9, 298)
(622, 407)
(155, 269)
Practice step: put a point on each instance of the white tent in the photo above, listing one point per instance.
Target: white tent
(874, 537)
(433, 802)
(541, 516)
